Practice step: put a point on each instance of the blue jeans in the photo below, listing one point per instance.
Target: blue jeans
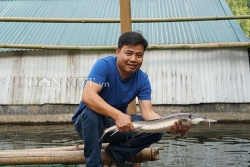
(90, 126)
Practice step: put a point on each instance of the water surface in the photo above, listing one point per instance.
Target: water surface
(219, 145)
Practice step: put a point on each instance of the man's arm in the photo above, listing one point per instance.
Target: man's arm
(92, 100)
(148, 113)
(147, 110)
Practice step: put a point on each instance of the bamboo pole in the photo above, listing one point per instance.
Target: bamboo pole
(65, 148)
(201, 46)
(112, 48)
(58, 47)
(65, 157)
(114, 20)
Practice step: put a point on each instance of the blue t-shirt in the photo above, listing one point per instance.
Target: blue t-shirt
(116, 91)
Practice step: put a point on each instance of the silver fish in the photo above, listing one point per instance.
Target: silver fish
(163, 124)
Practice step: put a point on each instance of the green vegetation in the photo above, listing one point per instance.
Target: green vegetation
(248, 4)
(241, 7)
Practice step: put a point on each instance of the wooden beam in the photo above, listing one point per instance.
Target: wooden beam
(126, 25)
(65, 155)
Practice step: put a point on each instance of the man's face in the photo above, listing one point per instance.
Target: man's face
(129, 59)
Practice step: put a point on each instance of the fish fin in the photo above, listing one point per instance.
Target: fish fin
(183, 134)
(182, 118)
(185, 119)
(114, 132)
(136, 132)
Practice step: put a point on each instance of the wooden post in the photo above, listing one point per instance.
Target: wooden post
(125, 16)
(126, 25)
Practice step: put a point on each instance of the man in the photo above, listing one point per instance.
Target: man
(113, 82)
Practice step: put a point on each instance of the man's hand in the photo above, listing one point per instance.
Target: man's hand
(124, 124)
(178, 128)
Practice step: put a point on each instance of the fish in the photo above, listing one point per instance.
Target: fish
(163, 124)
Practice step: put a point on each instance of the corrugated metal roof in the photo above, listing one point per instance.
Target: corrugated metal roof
(100, 34)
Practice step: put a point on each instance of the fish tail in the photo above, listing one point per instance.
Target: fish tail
(101, 137)
(103, 134)
(115, 131)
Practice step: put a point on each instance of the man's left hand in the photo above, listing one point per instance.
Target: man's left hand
(177, 128)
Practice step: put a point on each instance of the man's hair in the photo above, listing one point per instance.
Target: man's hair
(132, 38)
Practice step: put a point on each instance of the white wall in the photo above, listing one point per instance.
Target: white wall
(177, 76)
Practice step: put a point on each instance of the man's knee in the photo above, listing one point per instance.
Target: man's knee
(92, 120)
(157, 137)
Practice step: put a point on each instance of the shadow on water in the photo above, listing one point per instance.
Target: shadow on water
(219, 145)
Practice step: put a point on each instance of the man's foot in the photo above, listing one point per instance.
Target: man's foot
(118, 163)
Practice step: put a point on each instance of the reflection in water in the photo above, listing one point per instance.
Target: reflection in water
(43, 136)
(219, 145)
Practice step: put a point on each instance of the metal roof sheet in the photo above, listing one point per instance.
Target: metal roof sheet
(103, 34)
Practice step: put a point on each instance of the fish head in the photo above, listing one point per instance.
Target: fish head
(194, 119)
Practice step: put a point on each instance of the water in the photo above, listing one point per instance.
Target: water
(220, 145)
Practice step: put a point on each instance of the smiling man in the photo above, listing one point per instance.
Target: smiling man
(103, 106)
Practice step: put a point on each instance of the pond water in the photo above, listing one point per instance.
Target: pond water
(219, 145)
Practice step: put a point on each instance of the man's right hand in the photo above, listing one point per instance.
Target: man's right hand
(123, 123)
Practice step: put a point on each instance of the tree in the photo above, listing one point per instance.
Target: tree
(248, 4)
(240, 7)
